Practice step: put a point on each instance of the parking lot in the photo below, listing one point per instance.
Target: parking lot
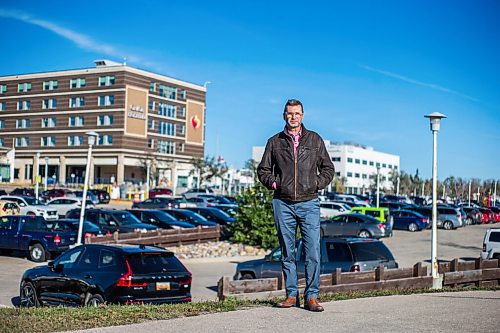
(408, 248)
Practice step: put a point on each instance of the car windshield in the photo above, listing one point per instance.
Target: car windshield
(156, 262)
(125, 218)
(221, 214)
(164, 216)
(368, 251)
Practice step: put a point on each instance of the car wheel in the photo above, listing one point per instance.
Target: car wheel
(37, 253)
(28, 295)
(95, 301)
(468, 221)
(247, 276)
(364, 234)
(447, 225)
(412, 227)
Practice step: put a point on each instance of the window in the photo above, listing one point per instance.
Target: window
(151, 143)
(75, 140)
(24, 87)
(338, 252)
(2, 142)
(166, 128)
(3, 88)
(384, 165)
(337, 174)
(49, 103)
(389, 166)
(49, 122)
(171, 111)
(50, 85)
(24, 105)
(364, 162)
(104, 140)
(151, 124)
(349, 174)
(48, 141)
(357, 161)
(23, 141)
(3, 106)
(183, 94)
(68, 259)
(76, 102)
(76, 121)
(77, 83)
(108, 260)
(182, 129)
(168, 92)
(152, 105)
(377, 164)
(371, 163)
(152, 87)
(23, 123)
(364, 176)
(335, 159)
(395, 167)
(166, 147)
(2, 123)
(104, 120)
(106, 100)
(106, 81)
(356, 175)
(181, 147)
(349, 160)
(182, 112)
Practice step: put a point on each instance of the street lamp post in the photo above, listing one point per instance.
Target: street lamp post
(46, 173)
(37, 173)
(378, 186)
(92, 136)
(435, 122)
(470, 186)
(397, 188)
(148, 168)
(495, 195)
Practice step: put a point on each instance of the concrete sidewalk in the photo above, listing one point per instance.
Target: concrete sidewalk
(471, 311)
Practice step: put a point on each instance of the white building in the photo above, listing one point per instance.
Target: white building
(356, 164)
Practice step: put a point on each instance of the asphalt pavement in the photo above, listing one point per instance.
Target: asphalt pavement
(472, 311)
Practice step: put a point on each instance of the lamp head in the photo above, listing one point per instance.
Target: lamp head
(435, 120)
(92, 137)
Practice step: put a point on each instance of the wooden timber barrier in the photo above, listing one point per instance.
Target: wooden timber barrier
(161, 237)
(456, 273)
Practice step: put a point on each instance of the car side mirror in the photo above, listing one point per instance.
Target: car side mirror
(51, 265)
(59, 268)
(268, 257)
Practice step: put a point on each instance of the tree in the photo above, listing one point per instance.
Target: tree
(154, 172)
(198, 170)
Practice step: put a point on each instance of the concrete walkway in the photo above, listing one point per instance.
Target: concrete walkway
(472, 311)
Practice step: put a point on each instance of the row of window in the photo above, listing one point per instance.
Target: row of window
(363, 176)
(51, 103)
(166, 91)
(50, 141)
(77, 121)
(365, 162)
(104, 81)
(166, 147)
(167, 110)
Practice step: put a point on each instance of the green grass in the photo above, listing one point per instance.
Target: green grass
(52, 319)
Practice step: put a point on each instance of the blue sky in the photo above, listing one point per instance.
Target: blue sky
(366, 71)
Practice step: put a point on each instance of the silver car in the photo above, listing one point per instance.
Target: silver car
(450, 218)
(354, 225)
(31, 206)
(65, 204)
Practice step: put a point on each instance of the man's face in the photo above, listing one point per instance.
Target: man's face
(293, 116)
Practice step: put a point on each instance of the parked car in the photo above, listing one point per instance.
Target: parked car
(102, 195)
(409, 220)
(396, 205)
(159, 218)
(111, 220)
(473, 215)
(163, 202)
(329, 209)
(351, 198)
(31, 234)
(213, 214)
(220, 200)
(63, 205)
(31, 206)
(496, 214)
(90, 196)
(156, 191)
(186, 215)
(491, 244)
(9, 208)
(2, 192)
(200, 201)
(89, 228)
(487, 215)
(194, 192)
(449, 218)
(355, 225)
(348, 254)
(396, 198)
(426, 211)
(56, 193)
(94, 274)
(382, 214)
(24, 192)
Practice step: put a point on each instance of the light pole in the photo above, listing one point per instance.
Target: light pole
(435, 122)
(36, 173)
(46, 173)
(378, 186)
(148, 168)
(495, 195)
(92, 136)
(470, 186)
(397, 190)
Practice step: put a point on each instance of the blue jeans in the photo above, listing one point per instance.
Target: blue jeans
(287, 216)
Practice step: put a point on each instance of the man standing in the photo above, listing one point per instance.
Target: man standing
(296, 165)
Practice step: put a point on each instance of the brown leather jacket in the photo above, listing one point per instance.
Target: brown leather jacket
(297, 178)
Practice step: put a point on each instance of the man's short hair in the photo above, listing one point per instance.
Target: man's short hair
(293, 102)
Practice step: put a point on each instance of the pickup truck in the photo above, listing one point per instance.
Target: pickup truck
(31, 234)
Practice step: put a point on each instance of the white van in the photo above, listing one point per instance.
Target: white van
(491, 244)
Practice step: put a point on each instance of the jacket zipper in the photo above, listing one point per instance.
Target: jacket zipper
(295, 175)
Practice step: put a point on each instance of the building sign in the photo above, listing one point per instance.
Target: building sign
(195, 117)
(195, 122)
(135, 116)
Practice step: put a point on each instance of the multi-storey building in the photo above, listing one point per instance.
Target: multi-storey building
(356, 165)
(138, 115)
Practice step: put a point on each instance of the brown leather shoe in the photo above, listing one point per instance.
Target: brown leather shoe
(289, 302)
(313, 305)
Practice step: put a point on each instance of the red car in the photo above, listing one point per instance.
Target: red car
(163, 191)
(487, 215)
(496, 214)
(56, 193)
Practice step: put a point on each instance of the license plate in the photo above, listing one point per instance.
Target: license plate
(162, 285)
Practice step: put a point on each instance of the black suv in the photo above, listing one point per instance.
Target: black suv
(102, 195)
(348, 254)
(94, 274)
(110, 220)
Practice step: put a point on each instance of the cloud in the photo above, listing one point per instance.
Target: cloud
(418, 83)
(82, 41)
